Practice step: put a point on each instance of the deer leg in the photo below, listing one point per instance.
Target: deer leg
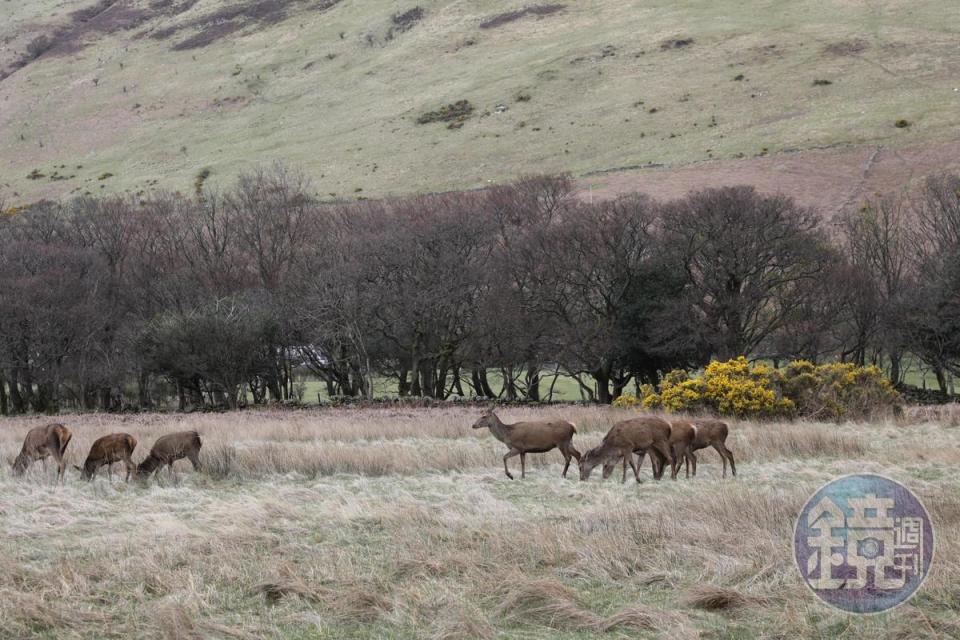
(726, 454)
(691, 458)
(569, 452)
(635, 467)
(566, 460)
(510, 454)
(723, 457)
(668, 459)
(523, 465)
(663, 457)
(679, 452)
(195, 461)
(567, 455)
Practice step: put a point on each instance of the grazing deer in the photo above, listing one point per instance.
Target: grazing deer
(531, 437)
(116, 447)
(645, 433)
(711, 433)
(41, 442)
(682, 434)
(170, 448)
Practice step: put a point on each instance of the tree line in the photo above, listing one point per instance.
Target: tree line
(216, 298)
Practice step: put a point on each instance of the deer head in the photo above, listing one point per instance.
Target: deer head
(590, 460)
(487, 420)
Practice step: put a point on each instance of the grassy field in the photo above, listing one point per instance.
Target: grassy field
(400, 524)
(597, 85)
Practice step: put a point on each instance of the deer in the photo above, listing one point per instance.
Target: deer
(643, 433)
(709, 432)
(41, 443)
(522, 438)
(170, 448)
(116, 447)
(682, 434)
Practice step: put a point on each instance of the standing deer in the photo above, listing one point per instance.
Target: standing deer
(531, 437)
(41, 442)
(645, 433)
(170, 448)
(709, 432)
(116, 447)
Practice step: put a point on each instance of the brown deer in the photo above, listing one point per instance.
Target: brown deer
(531, 437)
(116, 447)
(709, 432)
(682, 433)
(40, 443)
(644, 433)
(170, 448)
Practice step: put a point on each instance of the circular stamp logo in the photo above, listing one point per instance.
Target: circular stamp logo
(863, 543)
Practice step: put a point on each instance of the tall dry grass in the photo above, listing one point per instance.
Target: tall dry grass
(383, 442)
(386, 523)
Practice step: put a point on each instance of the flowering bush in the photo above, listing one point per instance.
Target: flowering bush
(626, 401)
(737, 388)
(838, 390)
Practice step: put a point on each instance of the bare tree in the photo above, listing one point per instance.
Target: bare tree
(746, 257)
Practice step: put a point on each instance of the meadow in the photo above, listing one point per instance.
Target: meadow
(338, 89)
(399, 523)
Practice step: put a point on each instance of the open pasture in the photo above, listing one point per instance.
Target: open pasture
(399, 523)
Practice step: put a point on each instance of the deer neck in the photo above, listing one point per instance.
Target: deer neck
(499, 430)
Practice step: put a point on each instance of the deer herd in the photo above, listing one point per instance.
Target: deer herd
(670, 442)
(51, 441)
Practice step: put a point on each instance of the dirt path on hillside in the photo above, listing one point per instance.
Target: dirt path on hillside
(832, 180)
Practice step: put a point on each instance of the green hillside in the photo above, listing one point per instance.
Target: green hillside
(133, 94)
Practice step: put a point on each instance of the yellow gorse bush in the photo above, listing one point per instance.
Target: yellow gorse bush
(737, 388)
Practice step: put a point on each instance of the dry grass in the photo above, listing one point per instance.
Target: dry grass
(399, 523)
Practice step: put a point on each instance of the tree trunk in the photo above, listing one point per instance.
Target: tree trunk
(941, 380)
(181, 397)
(415, 389)
(895, 367)
(602, 376)
(143, 390)
(403, 382)
(4, 409)
(457, 384)
(16, 399)
(509, 388)
(533, 382)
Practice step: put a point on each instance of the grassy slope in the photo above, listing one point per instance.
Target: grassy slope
(350, 120)
(400, 524)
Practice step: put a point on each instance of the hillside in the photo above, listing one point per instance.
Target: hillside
(118, 95)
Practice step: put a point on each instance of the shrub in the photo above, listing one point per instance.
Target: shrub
(402, 22)
(901, 123)
(627, 401)
(539, 10)
(832, 391)
(457, 112)
(38, 46)
(838, 390)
